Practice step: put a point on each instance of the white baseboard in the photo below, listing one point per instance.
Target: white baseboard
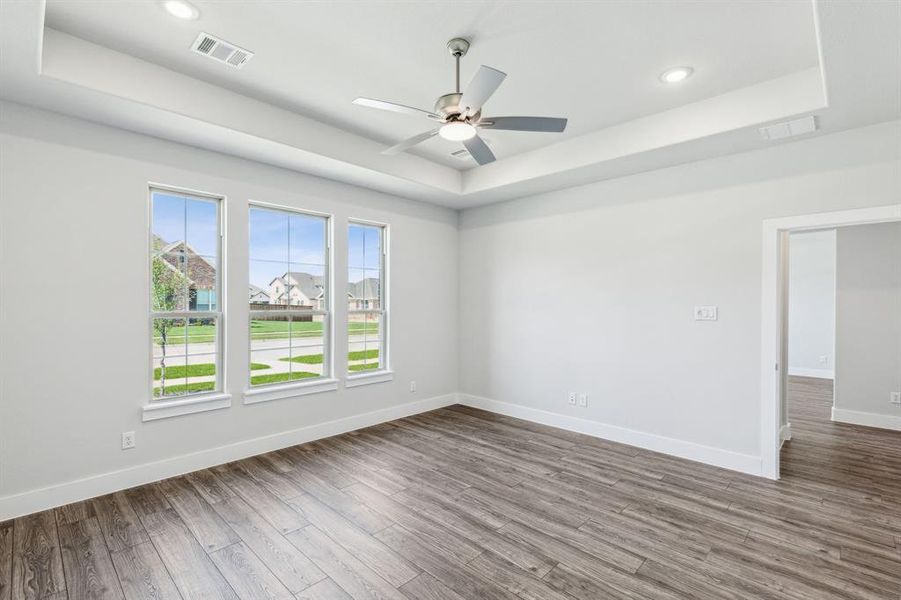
(81, 489)
(785, 433)
(718, 457)
(855, 417)
(818, 373)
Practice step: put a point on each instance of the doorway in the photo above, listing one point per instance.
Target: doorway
(774, 321)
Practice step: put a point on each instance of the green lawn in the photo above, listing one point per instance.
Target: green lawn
(186, 388)
(363, 367)
(277, 377)
(316, 359)
(260, 330)
(198, 370)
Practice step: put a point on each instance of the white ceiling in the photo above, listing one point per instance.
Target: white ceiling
(596, 63)
(128, 64)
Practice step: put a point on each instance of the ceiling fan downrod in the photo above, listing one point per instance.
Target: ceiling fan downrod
(458, 48)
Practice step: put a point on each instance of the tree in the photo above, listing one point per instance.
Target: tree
(168, 294)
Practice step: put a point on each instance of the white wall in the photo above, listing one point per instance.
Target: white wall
(811, 304)
(868, 325)
(74, 300)
(591, 289)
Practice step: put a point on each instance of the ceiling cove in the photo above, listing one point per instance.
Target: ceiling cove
(605, 66)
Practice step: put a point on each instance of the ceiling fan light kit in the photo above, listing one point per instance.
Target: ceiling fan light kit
(457, 131)
(461, 112)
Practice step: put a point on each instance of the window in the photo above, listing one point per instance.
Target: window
(367, 312)
(185, 312)
(289, 296)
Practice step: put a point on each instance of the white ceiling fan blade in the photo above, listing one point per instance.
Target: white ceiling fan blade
(479, 150)
(549, 124)
(485, 82)
(410, 142)
(394, 107)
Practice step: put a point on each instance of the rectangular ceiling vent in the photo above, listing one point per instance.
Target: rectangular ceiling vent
(221, 51)
(779, 131)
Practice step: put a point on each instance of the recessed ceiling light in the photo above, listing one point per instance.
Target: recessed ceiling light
(181, 9)
(676, 74)
(457, 131)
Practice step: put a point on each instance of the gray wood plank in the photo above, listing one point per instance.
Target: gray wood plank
(143, 575)
(275, 481)
(210, 487)
(147, 499)
(358, 580)
(603, 582)
(209, 529)
(515, 580)
(324, 590)
(185, 559)
(37, 564)
(87, 565)
(459, 577)
(426, 587)
(72, 513)
(247, 575)
(293, 568)
(6, 560)
(117, 519)
(447, 541)
(393, 568)
(356, 512)
(281, 516)
(449, 514)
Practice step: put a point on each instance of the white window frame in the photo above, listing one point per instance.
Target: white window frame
(325, 382)
(159, 408)
(383, 373)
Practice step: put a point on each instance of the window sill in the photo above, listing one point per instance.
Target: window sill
(174, 408)
(279, 392)
(367, 378)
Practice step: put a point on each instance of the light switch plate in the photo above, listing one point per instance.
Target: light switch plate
(705, 313)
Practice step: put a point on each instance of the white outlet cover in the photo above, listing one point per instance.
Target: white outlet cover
(895, 398)
(572, 398)
(706, 313)
(128, 440)
(583, 400)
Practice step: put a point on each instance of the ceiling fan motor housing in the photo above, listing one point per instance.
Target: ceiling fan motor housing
(448, 106)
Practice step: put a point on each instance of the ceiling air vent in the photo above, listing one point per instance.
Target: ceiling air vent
(221, 51)
(778, 131)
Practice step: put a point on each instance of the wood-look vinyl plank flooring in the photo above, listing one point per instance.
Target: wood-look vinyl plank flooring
(460, 504)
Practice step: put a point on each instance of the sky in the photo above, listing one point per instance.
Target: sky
(280, 241)
(178, 218)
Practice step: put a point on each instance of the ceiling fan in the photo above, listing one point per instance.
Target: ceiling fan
(460, 114)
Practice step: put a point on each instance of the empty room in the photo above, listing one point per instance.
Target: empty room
(450, 300)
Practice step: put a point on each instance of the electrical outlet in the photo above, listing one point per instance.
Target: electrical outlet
(583, 400)
(706, 313)
(824, 360)
(895, 398)
(572, 398)
(128, 440)
(412, 385)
